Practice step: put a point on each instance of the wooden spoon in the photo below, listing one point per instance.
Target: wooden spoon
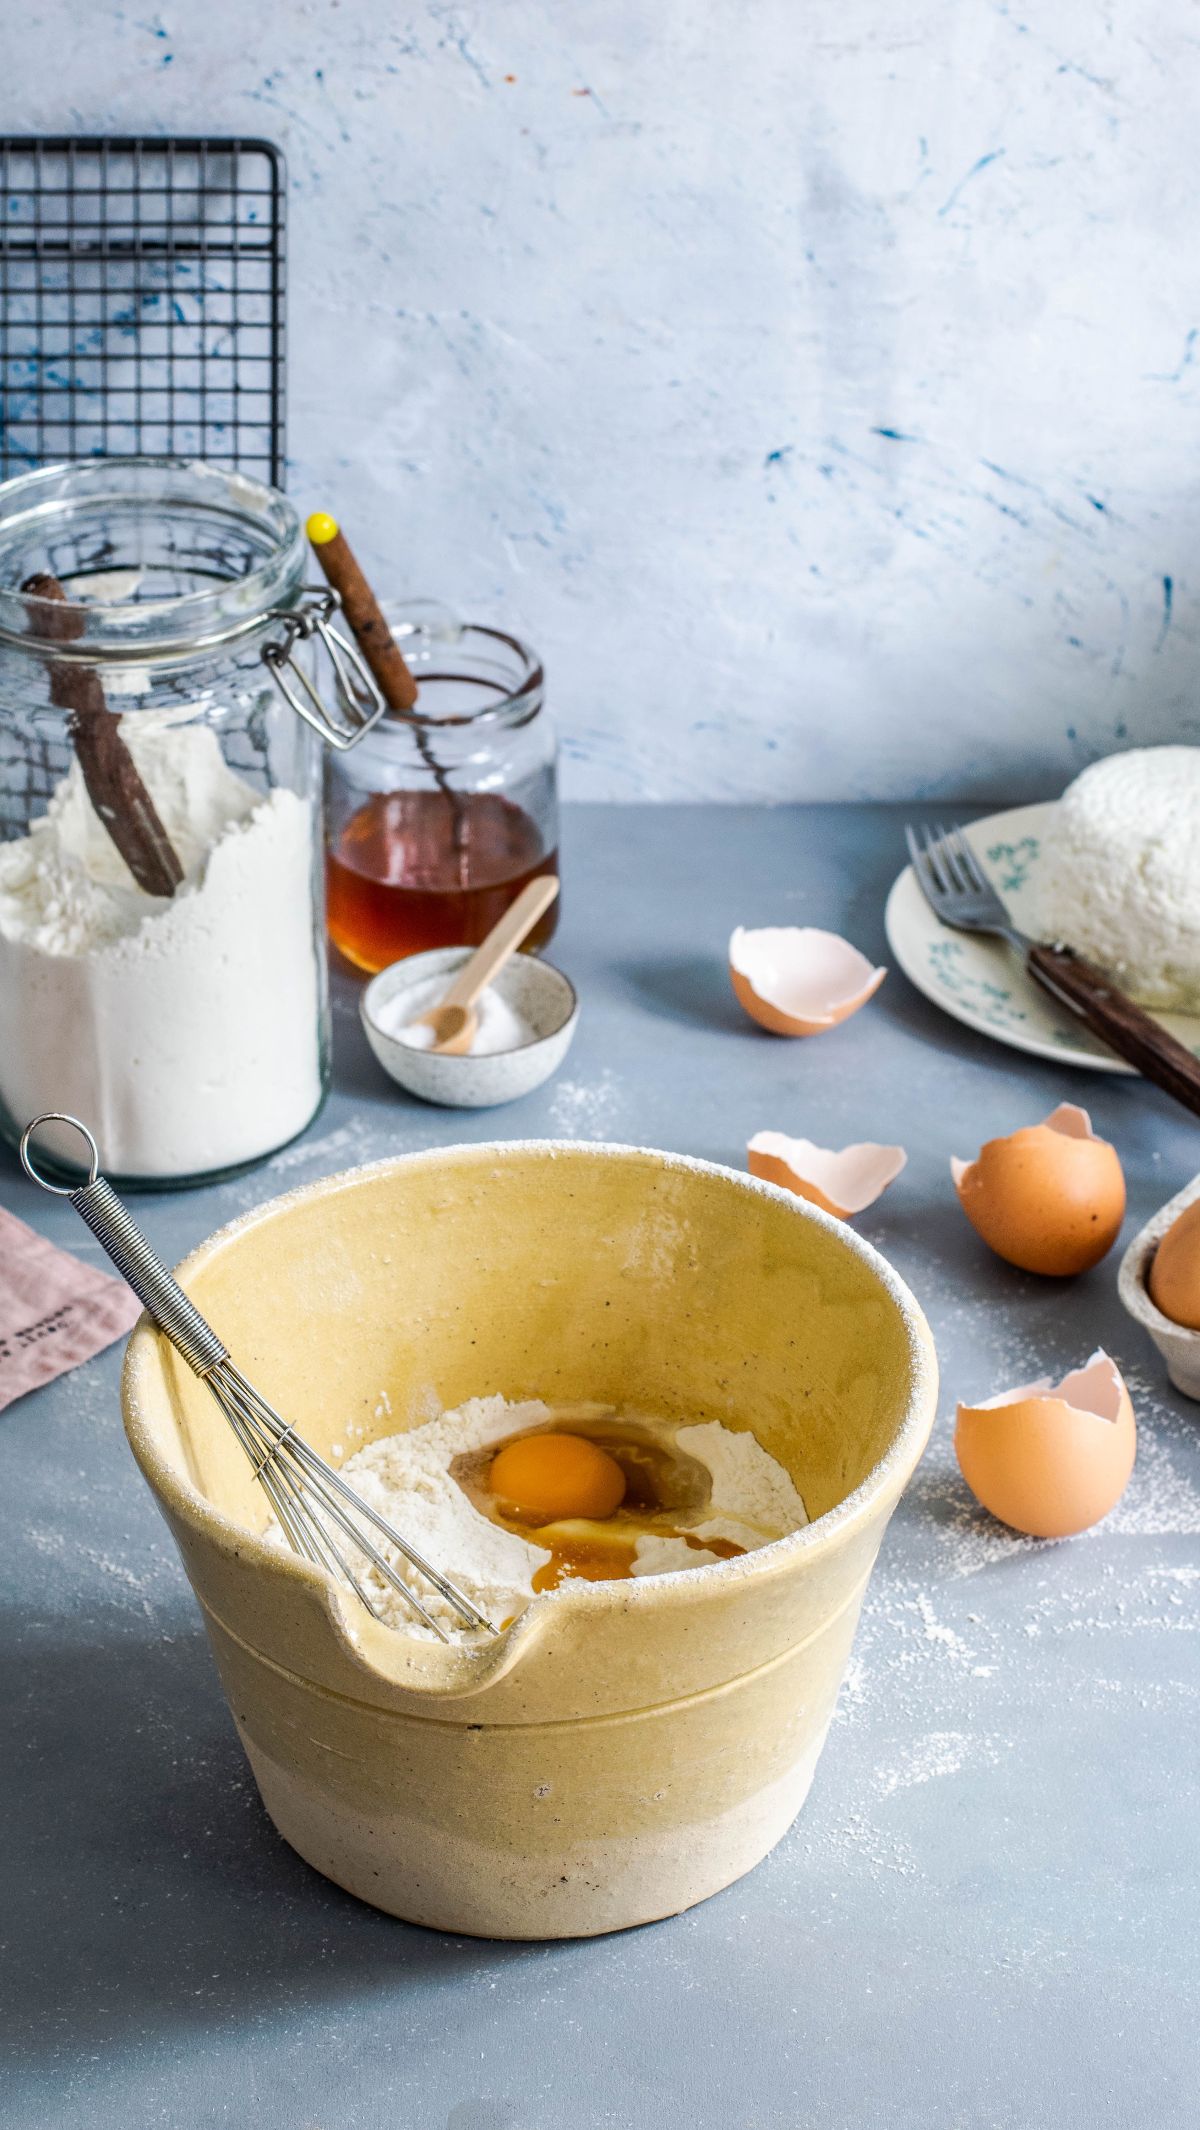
(454, 1020)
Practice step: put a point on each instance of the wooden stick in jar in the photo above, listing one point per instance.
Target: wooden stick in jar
(111, 775)
(362, 611)
(393, 677)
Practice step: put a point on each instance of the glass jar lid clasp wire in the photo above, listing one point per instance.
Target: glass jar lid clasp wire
(358, 704)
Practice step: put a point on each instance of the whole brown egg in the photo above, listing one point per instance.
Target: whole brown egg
(1049, 1198)
(1174, 1280)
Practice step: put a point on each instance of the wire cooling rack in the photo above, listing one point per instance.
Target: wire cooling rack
(142, 289)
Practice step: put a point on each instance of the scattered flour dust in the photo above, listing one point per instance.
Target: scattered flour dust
(581, 1109)
(971, 1636)
(936, 1754)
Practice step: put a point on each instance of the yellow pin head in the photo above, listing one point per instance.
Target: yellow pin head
(321, 527)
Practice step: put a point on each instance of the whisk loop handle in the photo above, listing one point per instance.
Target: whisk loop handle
(153, 1285)
(308, 1497)
(160, 1294)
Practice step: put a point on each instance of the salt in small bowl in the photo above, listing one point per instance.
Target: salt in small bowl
(535, 990)
(1179, 1347)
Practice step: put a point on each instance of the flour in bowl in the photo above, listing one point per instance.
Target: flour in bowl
(694, 1495)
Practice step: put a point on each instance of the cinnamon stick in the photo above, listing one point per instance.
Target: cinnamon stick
(362, 612)
(111, 776)
(375, 640)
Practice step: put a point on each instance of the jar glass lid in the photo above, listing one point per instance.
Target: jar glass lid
(164, 556)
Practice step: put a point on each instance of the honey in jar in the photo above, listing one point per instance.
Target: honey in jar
(437, 820)
(407, 873)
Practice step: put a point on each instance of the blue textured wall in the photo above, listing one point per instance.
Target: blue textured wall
(814, 381)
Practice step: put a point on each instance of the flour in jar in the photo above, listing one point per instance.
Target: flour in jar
(184, 1032)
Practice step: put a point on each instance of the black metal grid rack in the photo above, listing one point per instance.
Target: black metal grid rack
(142, 292)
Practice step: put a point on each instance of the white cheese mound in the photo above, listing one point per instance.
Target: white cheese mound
(1120, 874)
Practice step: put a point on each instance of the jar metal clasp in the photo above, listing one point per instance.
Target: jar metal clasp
(358, 704)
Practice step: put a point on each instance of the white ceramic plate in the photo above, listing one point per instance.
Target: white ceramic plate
(980, 981)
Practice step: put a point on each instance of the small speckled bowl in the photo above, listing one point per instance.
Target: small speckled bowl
(541, 995)
(1179, 1347)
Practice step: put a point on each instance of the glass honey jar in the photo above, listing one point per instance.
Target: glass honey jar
(439, 816)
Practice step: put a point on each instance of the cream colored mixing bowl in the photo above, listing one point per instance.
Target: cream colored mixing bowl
(625, 1748)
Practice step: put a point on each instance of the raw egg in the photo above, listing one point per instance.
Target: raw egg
(1174, 1280)
(1049, 1198)
(842, 1183)
(591, 1488)
(1051, 1459)
(542, 1478)
(796, 980)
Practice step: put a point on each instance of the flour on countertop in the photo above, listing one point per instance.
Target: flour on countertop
(937, 1690)
(586, 1110)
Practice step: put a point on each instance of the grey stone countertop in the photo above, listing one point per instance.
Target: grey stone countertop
(986, 1917)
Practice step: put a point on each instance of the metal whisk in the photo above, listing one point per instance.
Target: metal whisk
(311, 1501)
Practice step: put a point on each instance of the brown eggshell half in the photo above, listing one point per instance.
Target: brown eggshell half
(843, 1183)
(1174, 1279)
(1051, 1459)
(1049, 1198)
(796, 980)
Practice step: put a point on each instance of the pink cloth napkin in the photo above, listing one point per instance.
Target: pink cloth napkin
(54, 1311)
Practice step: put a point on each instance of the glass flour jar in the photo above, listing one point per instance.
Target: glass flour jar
(162, 965)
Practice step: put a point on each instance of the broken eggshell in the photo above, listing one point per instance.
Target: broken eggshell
(796, 980)
(1051, 1459)
(1049, 1198)
(842, 1183)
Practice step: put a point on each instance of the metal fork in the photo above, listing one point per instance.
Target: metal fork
(956, 887)
(960, 895)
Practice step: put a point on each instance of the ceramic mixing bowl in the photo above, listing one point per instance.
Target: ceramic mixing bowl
(625, 1748)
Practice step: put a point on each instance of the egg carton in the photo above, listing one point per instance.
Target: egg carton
(1179, 1347)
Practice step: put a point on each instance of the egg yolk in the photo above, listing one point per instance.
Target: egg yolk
(543, 1477)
